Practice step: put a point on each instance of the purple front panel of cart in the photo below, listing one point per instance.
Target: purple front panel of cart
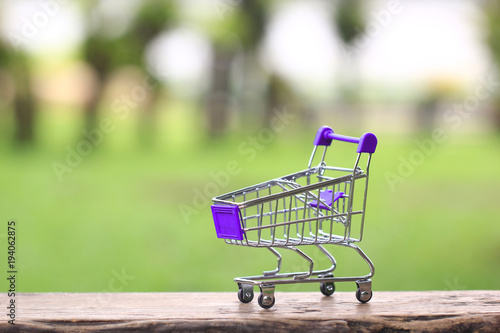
(227, 222)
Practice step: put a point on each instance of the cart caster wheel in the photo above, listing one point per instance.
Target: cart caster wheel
(363, 296)
(245, 296)
(266, 302)
(245, 293)
(327, 288)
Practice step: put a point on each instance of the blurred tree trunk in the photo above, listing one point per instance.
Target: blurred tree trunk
(106, 54)
(17, 67)
(97, 54)
(92, 106)
(279, 95)
(427, 110)
(148, 119)
(276, 91)
(254, 13)
(350, 23)
(246, 21)
(154, 17)
(94, 55)
(492, 15)
(218, 101)
(24, 105)
(274, 100)
(349, 20)
(24, 101)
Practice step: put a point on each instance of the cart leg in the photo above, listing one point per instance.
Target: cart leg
(306, 257)
(330, 257)
(278, 268)
(364, 292)
(365, 258)
(266, 298)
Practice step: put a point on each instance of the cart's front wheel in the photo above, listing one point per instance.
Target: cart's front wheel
(245, 294)
(266, 301)
(363, 296)
(327, 288)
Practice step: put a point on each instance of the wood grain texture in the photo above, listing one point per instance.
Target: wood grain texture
(457, 311)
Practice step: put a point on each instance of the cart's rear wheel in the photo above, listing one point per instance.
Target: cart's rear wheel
(363, 296)
(266, 302)
(327, 288)
(245, 294)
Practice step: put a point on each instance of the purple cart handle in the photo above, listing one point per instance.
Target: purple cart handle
(367, 143)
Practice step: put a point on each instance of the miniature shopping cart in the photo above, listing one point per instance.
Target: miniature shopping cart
(320, 205)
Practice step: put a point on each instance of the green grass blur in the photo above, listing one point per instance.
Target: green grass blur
(115, 222)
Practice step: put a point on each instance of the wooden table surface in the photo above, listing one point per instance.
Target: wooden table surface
(458, 311)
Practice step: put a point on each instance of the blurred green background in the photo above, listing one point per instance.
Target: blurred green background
(120, 121)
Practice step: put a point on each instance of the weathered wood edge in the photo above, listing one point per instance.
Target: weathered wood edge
(478, 323)
(431, 312)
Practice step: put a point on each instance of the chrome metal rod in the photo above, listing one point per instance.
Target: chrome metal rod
(278, 268)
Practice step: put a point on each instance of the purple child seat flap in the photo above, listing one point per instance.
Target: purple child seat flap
(327, 197)
(227, 222)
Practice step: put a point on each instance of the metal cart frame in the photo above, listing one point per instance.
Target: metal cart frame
(316, 206)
